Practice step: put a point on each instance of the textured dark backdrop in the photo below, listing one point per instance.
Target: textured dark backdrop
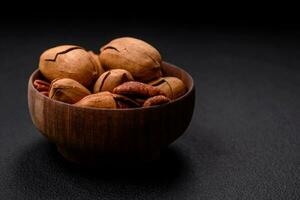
(243, 141)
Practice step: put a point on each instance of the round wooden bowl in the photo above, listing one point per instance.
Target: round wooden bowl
(85, 134)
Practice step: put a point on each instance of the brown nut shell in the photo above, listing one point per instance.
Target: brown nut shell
(98, 100)
(173, 87)
(141, 59)
(67, 90)
(111, 79)
(68, 61)
(137, 89)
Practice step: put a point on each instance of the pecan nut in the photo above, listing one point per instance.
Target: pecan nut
(67, 90)
(42, 86)
(173, 87)
(141, 59)
(107, 100)
(69, 61)
(98, 100)
(156, 100)
(137, 89)
(111, 79)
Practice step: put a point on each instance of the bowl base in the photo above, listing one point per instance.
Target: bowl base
(86, 159)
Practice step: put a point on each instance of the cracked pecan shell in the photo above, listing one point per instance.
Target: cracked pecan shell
(111, 79)
(173, 87)
(68, 61)
(67, 90)
(141, 59)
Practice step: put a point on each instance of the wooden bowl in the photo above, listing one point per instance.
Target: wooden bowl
(84, 134)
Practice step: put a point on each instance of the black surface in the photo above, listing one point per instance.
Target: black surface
(243, 141)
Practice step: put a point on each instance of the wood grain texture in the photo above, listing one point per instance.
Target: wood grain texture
(84, 134)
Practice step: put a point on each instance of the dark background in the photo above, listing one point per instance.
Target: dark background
(243, 141)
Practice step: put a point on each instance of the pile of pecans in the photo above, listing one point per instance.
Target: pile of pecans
(126, 74)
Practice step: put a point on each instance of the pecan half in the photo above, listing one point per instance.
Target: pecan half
(42, 86)
(156, 100)
(137, 89)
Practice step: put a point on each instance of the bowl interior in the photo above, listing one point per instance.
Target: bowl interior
(167, 68)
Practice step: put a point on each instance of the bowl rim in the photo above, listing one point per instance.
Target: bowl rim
(190, 90)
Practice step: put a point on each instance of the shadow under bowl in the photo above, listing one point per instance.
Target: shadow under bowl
(84, 134)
